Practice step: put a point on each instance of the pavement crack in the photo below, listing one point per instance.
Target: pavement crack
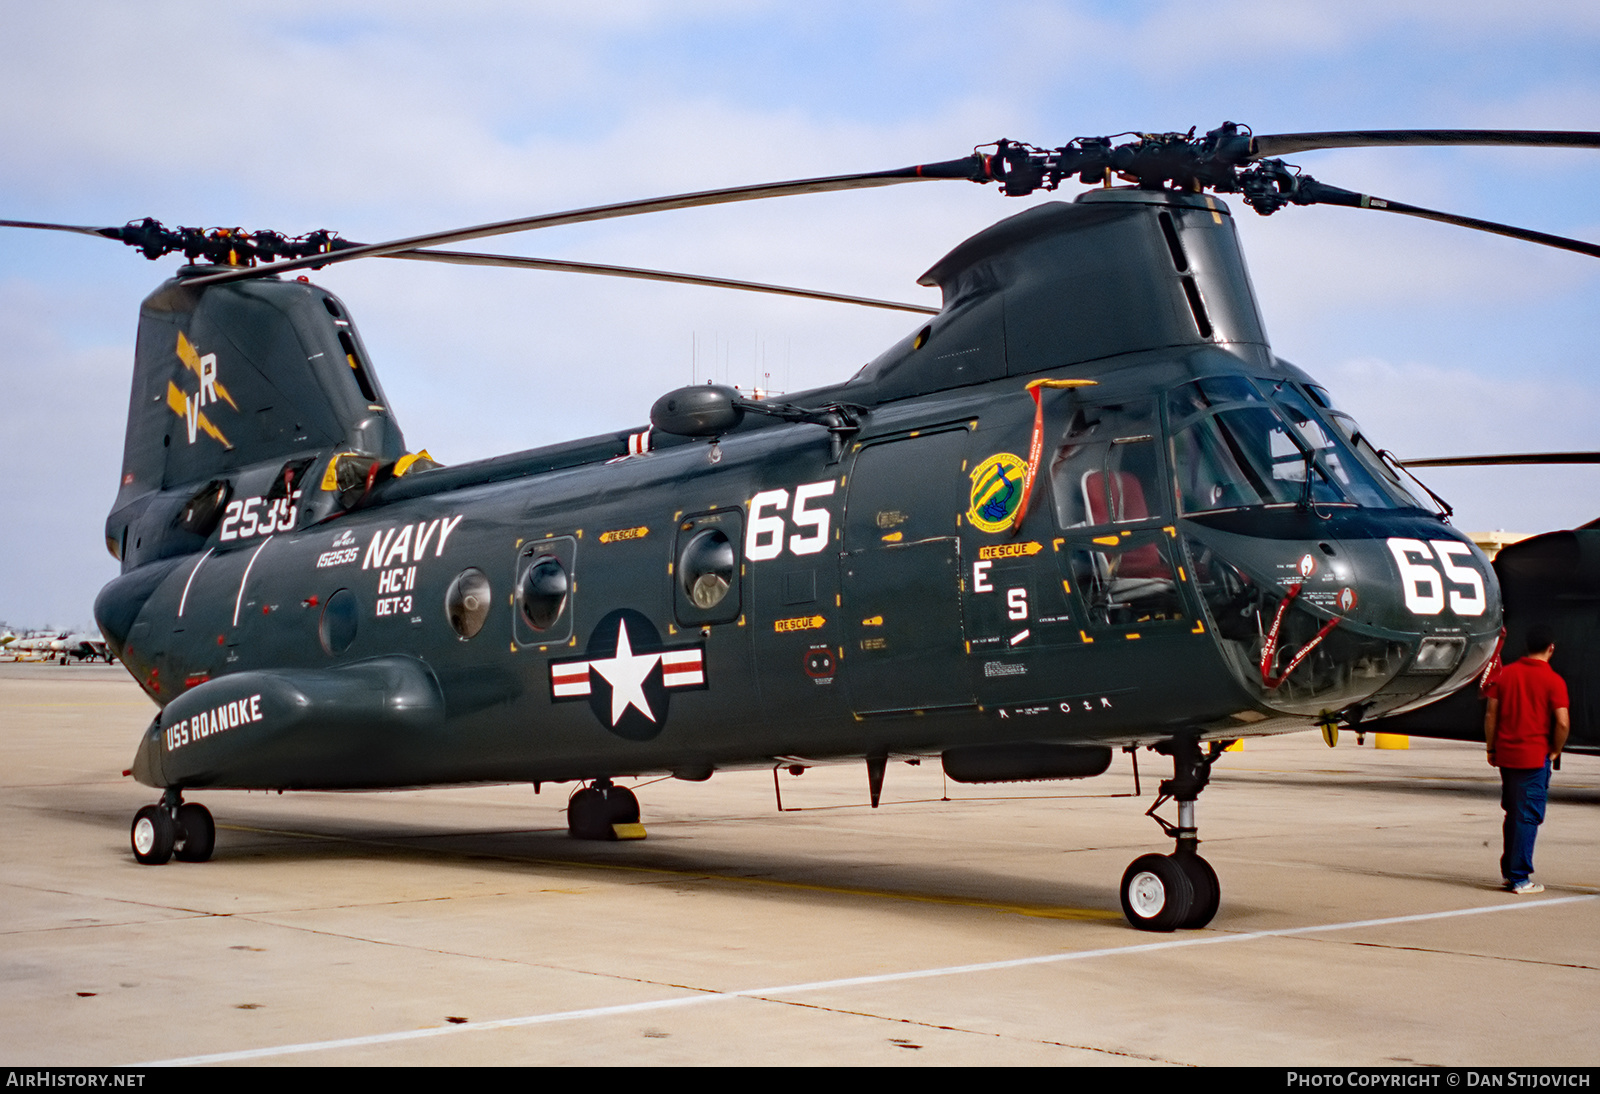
(1469, 953)
(964, 1029)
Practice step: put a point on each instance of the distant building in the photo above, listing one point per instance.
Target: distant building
(1493, 542)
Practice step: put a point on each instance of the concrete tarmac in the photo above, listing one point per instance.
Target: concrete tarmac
(1361, 923)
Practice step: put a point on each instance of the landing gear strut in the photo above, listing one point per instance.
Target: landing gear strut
(601, 811)
(172, 829)
(1180, 890)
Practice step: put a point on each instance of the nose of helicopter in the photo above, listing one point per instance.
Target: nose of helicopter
(1356, 611)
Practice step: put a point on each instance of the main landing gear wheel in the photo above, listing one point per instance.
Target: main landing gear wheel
(1157, 894)
(197, 833)
(593, 810)
(153, 835)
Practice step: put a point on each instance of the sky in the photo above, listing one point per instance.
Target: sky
(381, 120)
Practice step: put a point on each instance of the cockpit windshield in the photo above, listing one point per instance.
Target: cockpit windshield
(1238, 443)
(1354, 480)
(1229, 442)
(1403, 493)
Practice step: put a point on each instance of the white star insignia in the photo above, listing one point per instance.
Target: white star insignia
(626, 673)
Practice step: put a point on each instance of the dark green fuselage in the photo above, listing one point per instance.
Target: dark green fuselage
(881, 599)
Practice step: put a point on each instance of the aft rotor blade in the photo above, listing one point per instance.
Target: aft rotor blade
(468, 258)
(1284, 144)
(1506, 460)
(972, 167)
(103, 233)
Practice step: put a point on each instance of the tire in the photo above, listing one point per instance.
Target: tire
(197, 833)
(588, 815)
(153, 835)
(1156, 893)
(1207, 890)
(621, 804)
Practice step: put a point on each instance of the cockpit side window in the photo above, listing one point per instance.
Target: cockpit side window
(1106, 466)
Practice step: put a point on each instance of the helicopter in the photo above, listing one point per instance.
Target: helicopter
(1081, 506)
(1551, 579)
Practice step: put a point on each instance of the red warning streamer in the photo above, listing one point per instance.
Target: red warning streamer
(1036, 445)
(1269, 649)
(1491, 671)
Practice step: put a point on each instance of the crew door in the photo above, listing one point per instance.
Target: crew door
(901, 574)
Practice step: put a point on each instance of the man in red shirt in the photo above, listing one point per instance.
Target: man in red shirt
(1525, 728)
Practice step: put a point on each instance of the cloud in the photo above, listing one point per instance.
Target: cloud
(384, 119)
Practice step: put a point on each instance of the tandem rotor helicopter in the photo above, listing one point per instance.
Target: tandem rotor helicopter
(1080, 506)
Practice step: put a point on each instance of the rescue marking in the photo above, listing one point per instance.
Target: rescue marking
(801, 623)
(1010, 550)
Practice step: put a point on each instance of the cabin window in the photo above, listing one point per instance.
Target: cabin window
(466, 602)
(202, 511)
(337, 627)
(706, 572)
(542, 594)
(705, 569)
(1230, 448)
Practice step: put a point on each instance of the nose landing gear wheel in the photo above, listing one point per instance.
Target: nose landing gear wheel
(1157, 894)
(198, 833)
(1207, 889)
(153, 835)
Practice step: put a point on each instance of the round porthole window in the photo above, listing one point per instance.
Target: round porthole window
(543, 592)
(466, 602)
(706, 568)
(337, 627)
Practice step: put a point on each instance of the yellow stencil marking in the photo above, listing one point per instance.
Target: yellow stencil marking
(1010, 550)
(801, 623)
(178, 403)
(191, 361)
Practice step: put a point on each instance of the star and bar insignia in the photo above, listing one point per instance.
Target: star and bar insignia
(628, 675)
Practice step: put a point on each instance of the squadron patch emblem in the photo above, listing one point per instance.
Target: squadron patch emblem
(996, 492)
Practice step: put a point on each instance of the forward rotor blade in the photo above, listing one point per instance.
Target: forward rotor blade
(468, 258)
(1506, 460)
(973, 167)
(103, 233)
(1284, 144)
(1562, 242)
(1318, 193)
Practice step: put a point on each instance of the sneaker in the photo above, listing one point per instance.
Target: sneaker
(1526, 888)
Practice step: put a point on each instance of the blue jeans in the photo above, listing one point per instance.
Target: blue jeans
(1523, 791)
